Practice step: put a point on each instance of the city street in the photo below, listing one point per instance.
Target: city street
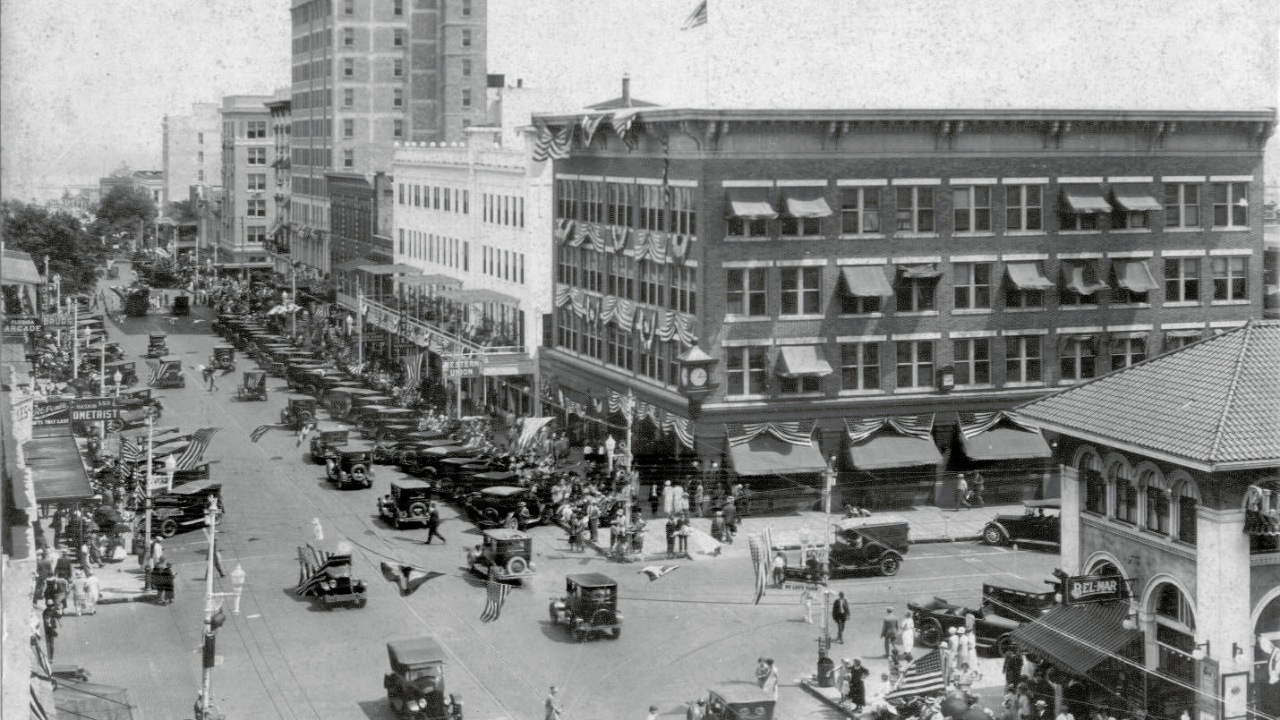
(281, 658)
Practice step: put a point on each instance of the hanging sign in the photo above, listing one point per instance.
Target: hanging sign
(1094, 588)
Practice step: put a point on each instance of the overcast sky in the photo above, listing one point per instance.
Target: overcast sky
(84, 83)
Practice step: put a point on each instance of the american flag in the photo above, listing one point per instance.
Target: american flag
(191, 456)
(697, 17)
(413, 369)
(493, 603)
(155, 371)
(759, 558)
(258, 432)
(922, 677)
(656, 571)
(130, 452)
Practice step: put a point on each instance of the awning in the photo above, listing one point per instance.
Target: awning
(1085, 199)
(56, 468)
(1087, 340)
(806, 202)
(1136, 198)
(803, 361)
(1199, 332)
(921, 271)
(1074, 272)
(1004, 442)
(1027, 276)
(17, 267)
(866, 281)
(1077, 638)
(425, 280)
(396, 269)
(480, 295)
(1130, 335)
(751, 204)
(348, 265)
(1135, 276)
(1260, 523)
(891, 450)
(91, 700)
(767, 455)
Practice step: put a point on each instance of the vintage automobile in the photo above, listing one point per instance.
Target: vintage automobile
(340, 400)
(408, 504)
(1039, 524)
(499, 506)
(184, 507)
(415, 685)
(471, 482)
(327, 438)
(169, 374)
(372, 417)
(858, 544)
(739, 702)
(507, 554)
(325, 575)
(157, 345)
(298, 411)
(351, 465)
(253, 386)
(135, 407)
(223, 358)
(934, 619)
(111, 352)
(589, 605)
(297, 377)
(390, 450)
(428, 460)
(128, 373)
(181, 305)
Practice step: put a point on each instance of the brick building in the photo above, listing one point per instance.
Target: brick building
(880, 277)
(280, 234)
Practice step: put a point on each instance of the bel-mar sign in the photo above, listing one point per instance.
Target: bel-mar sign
(94, 409)
(1095, 588)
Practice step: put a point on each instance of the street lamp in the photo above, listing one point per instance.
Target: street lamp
(118, 378)
(609, 446)
(213, 615)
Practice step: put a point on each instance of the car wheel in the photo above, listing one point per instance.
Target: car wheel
(889, 565)
(617, 633)
(930, 633)
(490, 515)
(168, 528)
(1004, 644)
(418, 510)
(992, 535)
(517, 565)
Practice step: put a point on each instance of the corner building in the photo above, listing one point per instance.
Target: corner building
(882, 282)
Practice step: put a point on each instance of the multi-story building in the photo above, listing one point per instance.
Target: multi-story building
(279, 236)
(191, 150)
(247, 208)
(1170, 487)
(368, 74)
(876, 278)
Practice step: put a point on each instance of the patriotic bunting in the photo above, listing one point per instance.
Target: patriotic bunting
(564, 230)
(496, 596)
(651, 245)
(618, 235)
(621, 122)
(560, 142)
(577, 235)
(130, 451)
(589, 125)
(529, 430)
(760, 560)
(683, 429)
(542, 145)
(624, 404)
(922, 677)
(155, 371)
(798, 433)
(259, 431)
(972, 425)
(563, 295)
(678, 248)
(920, 426)
(408, 577)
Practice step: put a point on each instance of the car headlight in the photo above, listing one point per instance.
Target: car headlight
(618, 615)
(532, 565)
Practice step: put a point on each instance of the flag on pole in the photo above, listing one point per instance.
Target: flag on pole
(497, 595)
(258, 432)
(130, 452)
(155, 372)
(697, 18)
(921, 677)
(408, 577)
(194, 451)
(529, 432)
(759, 558)
(656, 571)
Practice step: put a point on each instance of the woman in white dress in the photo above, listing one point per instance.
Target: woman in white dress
(907, 633)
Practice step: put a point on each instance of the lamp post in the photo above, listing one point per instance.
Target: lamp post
(824, 645)
(118, 378)
(213, 616)
(146, 552)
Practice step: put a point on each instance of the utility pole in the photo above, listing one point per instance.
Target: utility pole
(147, 585)
(360, 325)
(213, 617)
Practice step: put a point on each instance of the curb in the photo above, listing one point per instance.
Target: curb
(805, 684)
(927, 541)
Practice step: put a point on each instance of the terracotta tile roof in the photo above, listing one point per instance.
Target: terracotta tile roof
(1210, 404)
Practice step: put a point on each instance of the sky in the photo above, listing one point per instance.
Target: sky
(84, 84)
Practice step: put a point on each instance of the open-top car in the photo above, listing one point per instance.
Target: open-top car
(135, 407)
(325, 572)
(1039, 524)
(157, 345)
(507, 554)
(223, 358)
(589, 605)
(184, 507)
(739, 702)
(298, 411)
(351, 465)
(415, 685)
(992, 622)
(858, 544)
(408, 504)
(254, 386)
(327, 438)
(169, 374)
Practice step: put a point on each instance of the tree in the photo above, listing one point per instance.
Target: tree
(124, 207)
(181, 211)
(74, 254)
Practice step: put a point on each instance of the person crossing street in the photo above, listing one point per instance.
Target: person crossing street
(840, 613)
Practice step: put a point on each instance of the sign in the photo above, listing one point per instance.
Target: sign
(1094, 588)
(454, 369)
(52, 412)
(58, 321)
(21, 324)
(94, 409)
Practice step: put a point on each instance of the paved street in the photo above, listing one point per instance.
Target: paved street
(283, 659)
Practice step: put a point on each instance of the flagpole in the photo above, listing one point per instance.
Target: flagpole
(359, 325)
(146, 554)
(75, 341)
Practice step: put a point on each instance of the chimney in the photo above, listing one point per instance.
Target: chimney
(626, 90)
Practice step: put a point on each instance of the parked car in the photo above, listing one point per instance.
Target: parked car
(327, 439)
(223, 358)
(169, 374)
(184, 507)
(135, 407)
(992, 621)
(409, 503)
(589, 605)
(253, 387)
(500, 507)
(352, 464)
(298, 411)
(470, 482)
(157, 345)
(415, 685)
(325, 569)
(857, 545)
(128, 370)
(181, 305)
(508, 554)
(1039, 524)
(739, 702)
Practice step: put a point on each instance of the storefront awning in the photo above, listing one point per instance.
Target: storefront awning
(1027, 276)
(1085, 199)
(751, 204)
(57, 470)
(891, 450)
(803, 361)
(866, 281)
(1077, 638)
(480, 295)
(767, 455)
(395, 269)
(91, 700)
(1260, 523)
(17, 267)
(1003, 442)
(1074, 272)
(348, 265)
(922, 271)
(806, 202)
(1135, 198)
(425, 280)
(1198, 332)
(1135, 276)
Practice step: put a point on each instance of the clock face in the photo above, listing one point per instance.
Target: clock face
(698, 377)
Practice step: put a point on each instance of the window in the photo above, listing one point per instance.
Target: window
(622, 276)
(653, 282)
(792, 226)
(1088, 281)
(397, 37)
(255, 233)
(1126, 494)
(620, 349)
(200, 138)
(860, 210)
(1157, 510)
(466, 97)
(348, 158)
(397, 68)
(915, 209)
(1127, 351)
(348, 67)
(256, 208)
(738, 227)
(1022, 359)
(684, 289)
(1023, 208)
(1186, 512)
(348, 128)
(349, 37)
(1130, 219)
(1016, 297)
(1230, 278)
(972, 208)
(851, 304)
(200, 156)
(567, 329)
(348, 7)
(466, 8)
(397, 97)
(200, 175)
(466, 67)
(397, 128)
(860, 366)
(348, 97)
(972, 286)
(972, 361)
(397, 7)
(799, 385)
(1181, 205)
(745, 370)
(1182, 280)
(466, 38)
(801, 290)
(256, 156)
(915, 294)
(417, 195)
(747, 292)
(1077, 359)
(1121, 295)
(915, 364)
(1230, 205)
(1095, 485)
(256, 181)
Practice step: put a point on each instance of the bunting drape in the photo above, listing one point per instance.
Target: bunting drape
(624, 404)
(589, 125)
(564, 230)
(564, 294)
(920, 426)
(798, 433)
(618, 235)
(972, 425)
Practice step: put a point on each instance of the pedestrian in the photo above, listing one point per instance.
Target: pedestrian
(169, 577)
(682, 535)
(979, 486)
(593, 521)
(840, 613)
(59, 524)
(889, 631)
(655, 498)
(857, 685)
(1012, 668)
(719, 530)
(730, 516)
(51, 625)
(771, 680)
(672, 526)
(962, 491)
(780, 570)
(79, 593)
(59, 588)
(433, 523)
(668, 498)
(806, 599)
(554, 710)
(653, 713)
(93, 591)
(208, 374)
(907, 633)
(1009, 703)
(1041, 711)
(700, 499)
(762, 671)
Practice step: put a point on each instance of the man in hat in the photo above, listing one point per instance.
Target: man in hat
(962, 489)
(433, 523)
(889, 631)
(840, 613)
(1041, 711)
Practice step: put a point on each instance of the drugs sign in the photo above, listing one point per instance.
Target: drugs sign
(94, 409)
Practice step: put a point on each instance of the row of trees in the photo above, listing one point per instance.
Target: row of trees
(73, 253)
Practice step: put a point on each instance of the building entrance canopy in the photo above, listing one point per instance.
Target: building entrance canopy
(1078, 638)
(57, 469)
(997, 436)
(769, 455)
(480, 295)
(892, 442)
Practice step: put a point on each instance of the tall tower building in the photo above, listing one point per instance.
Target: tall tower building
(191, 151)
(369, 73)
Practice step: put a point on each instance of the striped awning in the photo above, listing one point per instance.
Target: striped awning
(1078, 638)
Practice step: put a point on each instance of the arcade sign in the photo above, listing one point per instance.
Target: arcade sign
(1094, 588)
(22, 324)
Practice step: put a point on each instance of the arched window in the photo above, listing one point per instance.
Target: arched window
(1175, 632)
(1155, 499)
(1121, 477)
(1186, 496)
(1089, 468)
